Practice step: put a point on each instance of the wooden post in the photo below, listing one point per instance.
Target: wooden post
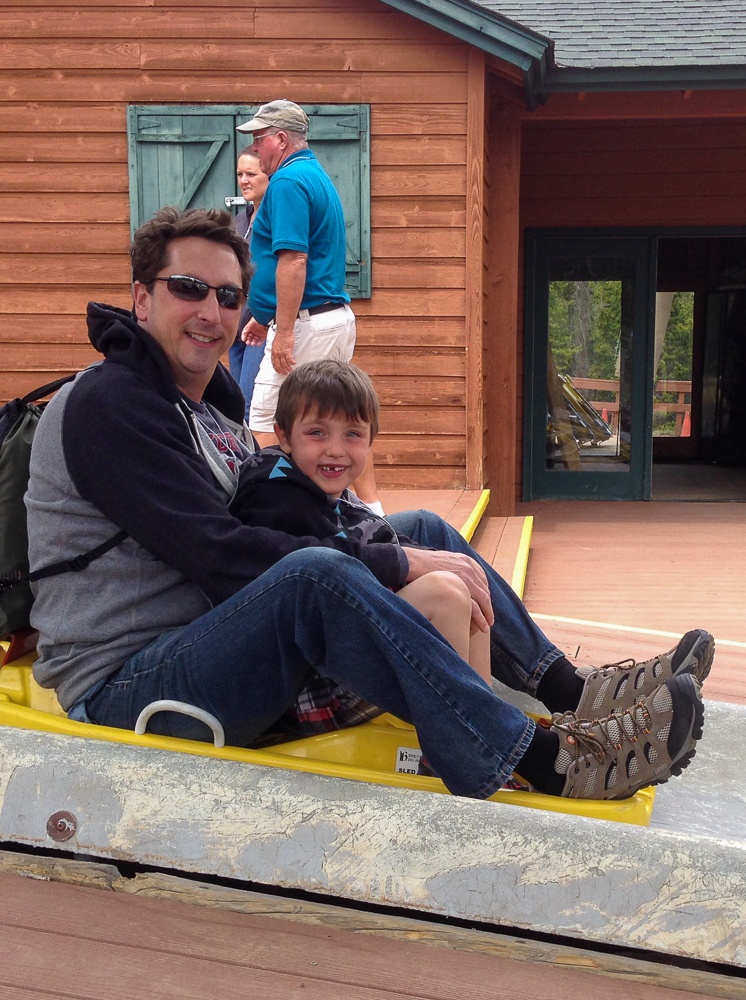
(475, 145)
(502, 398)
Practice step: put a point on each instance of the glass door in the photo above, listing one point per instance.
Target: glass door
(590, 319)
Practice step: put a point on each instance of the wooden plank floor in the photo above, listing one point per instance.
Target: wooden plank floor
(453, 506)
(698, 481)
(73, 941)
(632, 577)
(496, 539)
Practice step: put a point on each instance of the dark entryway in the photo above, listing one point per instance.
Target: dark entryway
(708, 461)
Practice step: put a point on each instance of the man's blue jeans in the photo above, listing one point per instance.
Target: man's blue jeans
(247, 659)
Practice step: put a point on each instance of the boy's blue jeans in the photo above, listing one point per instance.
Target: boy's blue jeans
(247, 659)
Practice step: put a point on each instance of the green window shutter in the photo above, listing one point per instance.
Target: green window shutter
(186, 156)
(340, 138)
(179, 158)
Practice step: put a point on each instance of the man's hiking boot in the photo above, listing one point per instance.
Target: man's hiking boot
(617, 686)
(645, 744)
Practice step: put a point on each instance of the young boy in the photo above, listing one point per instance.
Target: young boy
(326, 421)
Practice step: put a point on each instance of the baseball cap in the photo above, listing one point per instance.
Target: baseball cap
(278, 114)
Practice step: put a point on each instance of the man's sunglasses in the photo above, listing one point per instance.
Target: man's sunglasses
(182, 286)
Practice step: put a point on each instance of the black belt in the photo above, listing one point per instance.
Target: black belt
(325, 308)
(315, 310)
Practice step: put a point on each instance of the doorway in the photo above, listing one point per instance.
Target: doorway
(589, 324)
(702, 455)
(635, 366)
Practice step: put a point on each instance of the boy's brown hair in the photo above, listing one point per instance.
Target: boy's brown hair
(327, 387)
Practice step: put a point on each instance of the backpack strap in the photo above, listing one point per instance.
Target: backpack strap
(46, 390)
(67, 566)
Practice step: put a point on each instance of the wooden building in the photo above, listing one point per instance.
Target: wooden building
(502, 146)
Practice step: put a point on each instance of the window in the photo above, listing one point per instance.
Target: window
(186, 156)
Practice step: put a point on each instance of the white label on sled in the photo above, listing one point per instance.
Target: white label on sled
(407, 760)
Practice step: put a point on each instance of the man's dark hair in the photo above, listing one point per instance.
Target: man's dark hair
(327, 387)
(149, 252)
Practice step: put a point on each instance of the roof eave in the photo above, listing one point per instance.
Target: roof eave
(533, 54)
(490, 32)
(639, 78)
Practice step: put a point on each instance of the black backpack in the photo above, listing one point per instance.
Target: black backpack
(18, 421)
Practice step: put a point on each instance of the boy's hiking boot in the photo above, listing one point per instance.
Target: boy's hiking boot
(617, 686)
(645, 744)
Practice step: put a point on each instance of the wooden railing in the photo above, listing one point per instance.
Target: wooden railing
(609, 410)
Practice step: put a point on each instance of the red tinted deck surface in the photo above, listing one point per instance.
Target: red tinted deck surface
(71, 941)
(630, 571)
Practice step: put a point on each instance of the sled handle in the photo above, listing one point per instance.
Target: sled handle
(183, 708)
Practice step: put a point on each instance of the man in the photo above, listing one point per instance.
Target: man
(255, 626)
(298, 246)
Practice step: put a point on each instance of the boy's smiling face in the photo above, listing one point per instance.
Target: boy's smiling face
(330, 450)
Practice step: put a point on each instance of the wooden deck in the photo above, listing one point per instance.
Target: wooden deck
(116, 941)
(453, 506)
(497, 539)
(612, 580)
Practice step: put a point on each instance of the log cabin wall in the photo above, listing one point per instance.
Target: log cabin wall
(645, 173)
(69, 73)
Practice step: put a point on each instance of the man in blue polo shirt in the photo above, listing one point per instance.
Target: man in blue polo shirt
(297, 298)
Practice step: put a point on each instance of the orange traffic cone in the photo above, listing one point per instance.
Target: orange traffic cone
(686, 426)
